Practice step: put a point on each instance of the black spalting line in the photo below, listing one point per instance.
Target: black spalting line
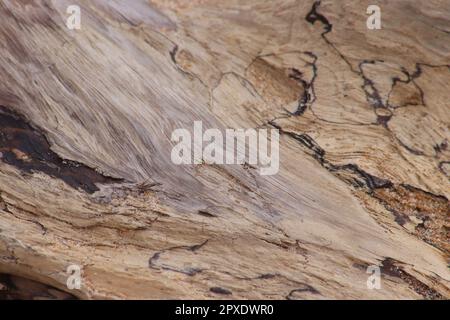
(219, 290)
(173, 54)
(188, 271)
(360, 178)
(27, 149)
(305, 288)
(314, 16)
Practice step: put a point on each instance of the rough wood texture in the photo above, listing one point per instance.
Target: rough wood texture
(86, 118)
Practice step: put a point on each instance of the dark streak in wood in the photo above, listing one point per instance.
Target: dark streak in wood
(26, 148)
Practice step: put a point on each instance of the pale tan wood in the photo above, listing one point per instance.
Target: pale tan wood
(364, 156)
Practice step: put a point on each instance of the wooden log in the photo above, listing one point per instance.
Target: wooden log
(86, 177)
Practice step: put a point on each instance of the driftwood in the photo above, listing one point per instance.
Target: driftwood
(86, 176)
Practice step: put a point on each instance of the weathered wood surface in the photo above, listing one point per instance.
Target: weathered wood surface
(86, 118)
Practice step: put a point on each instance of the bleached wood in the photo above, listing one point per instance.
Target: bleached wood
(364, 117)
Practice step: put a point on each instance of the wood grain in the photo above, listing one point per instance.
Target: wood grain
(364, 115)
